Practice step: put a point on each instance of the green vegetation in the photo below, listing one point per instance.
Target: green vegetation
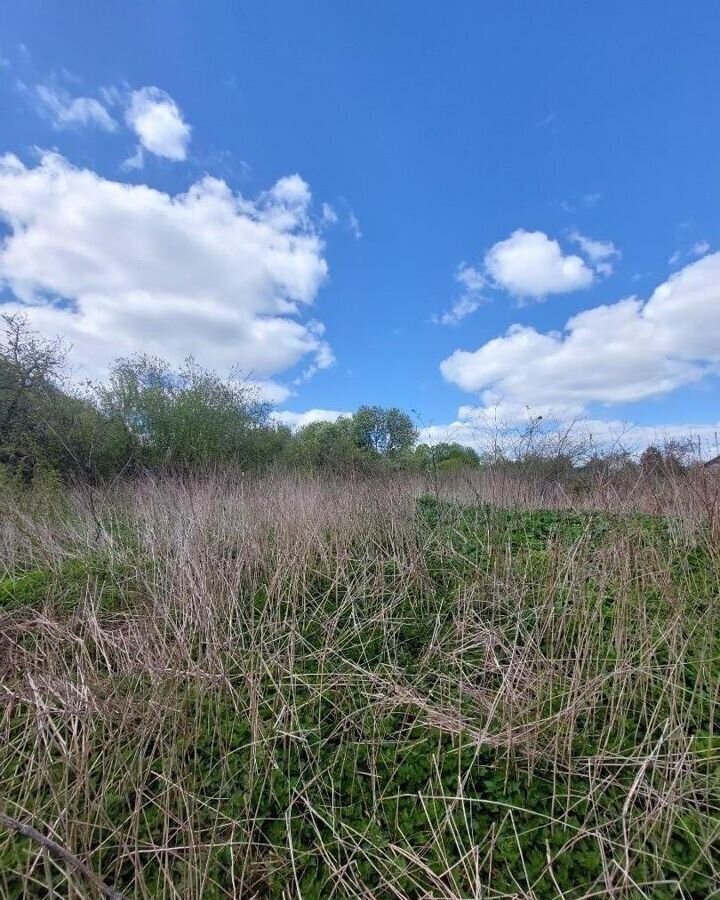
(241, 661)
(298, 687)
(151, 415)
(65, 587)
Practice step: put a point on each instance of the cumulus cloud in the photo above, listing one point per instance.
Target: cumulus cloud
(291, 191)
(158, 123)
(329, 216)
(472, 281)
(118, 268)
(268, 390)
(297, 420)
(65, 111)
(463, 307)
(600, 253)
(530, 264)
(616, 353)
(135, 161)
(486, 429)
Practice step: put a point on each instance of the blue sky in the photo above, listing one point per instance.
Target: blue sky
(408, 205)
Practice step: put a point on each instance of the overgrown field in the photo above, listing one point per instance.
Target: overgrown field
(295, 687)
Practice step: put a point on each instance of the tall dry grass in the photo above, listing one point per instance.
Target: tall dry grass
(211, 673)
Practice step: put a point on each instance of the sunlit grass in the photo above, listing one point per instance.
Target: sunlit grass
(296, 687)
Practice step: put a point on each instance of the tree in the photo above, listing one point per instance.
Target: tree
(445, 457)
(387, 432)
(183, 416)
(31, 368)
(327, 445)
(670, 460)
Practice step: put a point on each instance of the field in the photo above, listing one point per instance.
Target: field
(284, 686)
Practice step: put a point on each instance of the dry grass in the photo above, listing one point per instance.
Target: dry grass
(298, 687)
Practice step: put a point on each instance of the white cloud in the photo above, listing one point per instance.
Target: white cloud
(119, 268)
(297, 420)
(586, 200)
(462, 308)
(530, 264)
(268, 390)
(619, 353)
(157, 121)
(291, 191)
(473, 281)
(699, 248)
(471, 278)
(354, 224)
(329, 216)
(600, 253)
(486, 430)
(65, 111)
(324, 357)
(135, 161)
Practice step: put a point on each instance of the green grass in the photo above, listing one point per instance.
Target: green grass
(64, 586)
(461, 698)
(24, 589)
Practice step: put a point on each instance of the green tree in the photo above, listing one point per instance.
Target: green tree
(445, 457)
(83, 440)
(31, 370)
(185, 416)
(387, 432)
(327, 445)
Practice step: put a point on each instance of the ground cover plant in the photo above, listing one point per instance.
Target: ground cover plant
(472, 685)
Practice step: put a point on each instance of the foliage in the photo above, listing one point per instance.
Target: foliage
(65, 587)
(445, 457)
(186, 416)
(665, 461)
(153, 415)
(30, 370)
(150, 414)
(326, 445)
(372, 439)
(327, 691)
(389, 432)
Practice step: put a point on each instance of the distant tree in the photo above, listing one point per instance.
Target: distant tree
(546, 466)
(185, 415)
(671, 459)
(326, 445)
(445, 456)
(388, 432)
(612, 462)
(679, 454)
(651, 460)
(31, 370)
(82, 440)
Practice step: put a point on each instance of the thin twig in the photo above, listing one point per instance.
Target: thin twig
(53, 846)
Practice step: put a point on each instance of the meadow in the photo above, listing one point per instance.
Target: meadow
(284, 685)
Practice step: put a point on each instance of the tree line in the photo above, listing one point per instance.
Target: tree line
(149, 414)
